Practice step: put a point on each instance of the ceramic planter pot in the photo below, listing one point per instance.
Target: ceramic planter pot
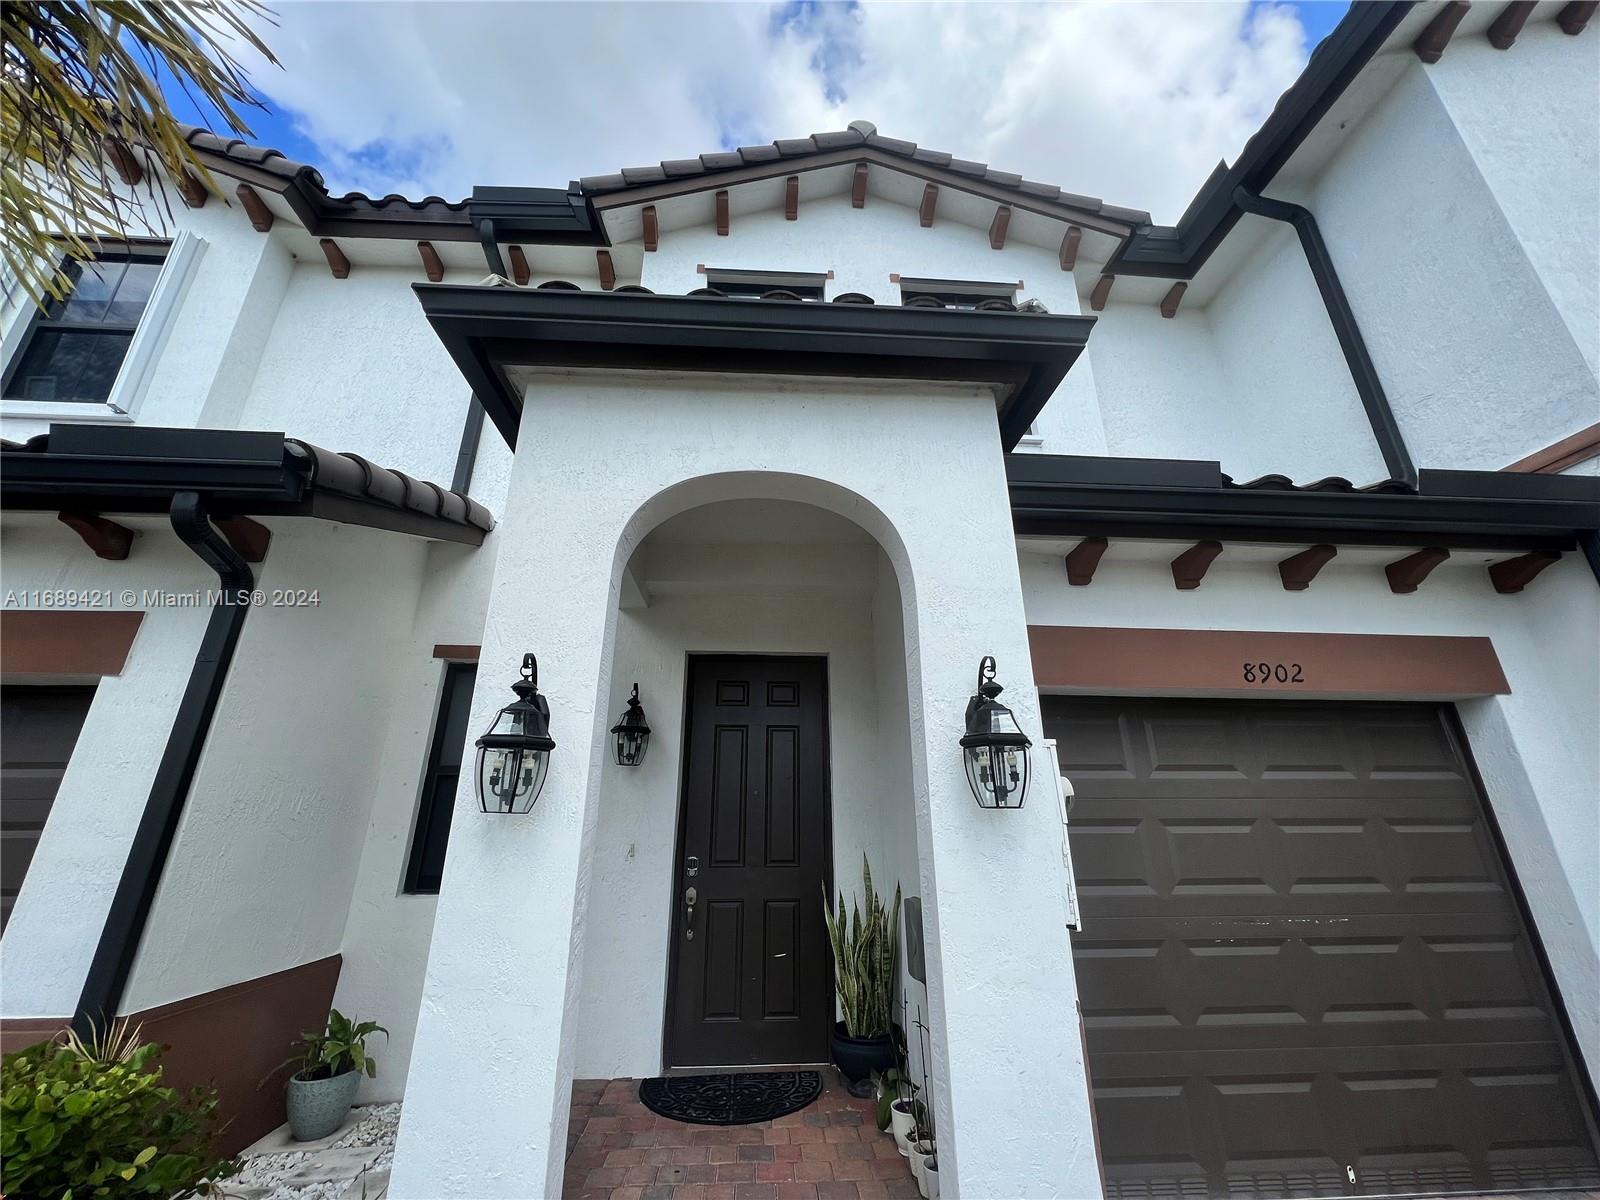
(857, 1058)
(901, 1123)
(921, 1152)
(930, 1176)
(318, 1106)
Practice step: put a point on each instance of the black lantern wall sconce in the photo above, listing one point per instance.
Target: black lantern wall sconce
(514, 756)
(632, 733)
(994, 746)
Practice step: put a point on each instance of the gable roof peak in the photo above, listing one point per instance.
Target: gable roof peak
(865, 128)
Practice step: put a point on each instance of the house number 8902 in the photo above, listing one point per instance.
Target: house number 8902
(1263, 672)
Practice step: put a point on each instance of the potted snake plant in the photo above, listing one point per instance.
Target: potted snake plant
(330, 1066)
(866, 960)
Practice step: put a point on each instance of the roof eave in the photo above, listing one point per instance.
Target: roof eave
(487, 330)
(1178, 252)
(1063, 495)
(115, 470)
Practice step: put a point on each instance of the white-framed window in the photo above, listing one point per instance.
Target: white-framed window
(91, 355)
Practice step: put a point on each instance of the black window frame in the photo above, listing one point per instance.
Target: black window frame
(440, 779)
(744, 284)
(150, 251)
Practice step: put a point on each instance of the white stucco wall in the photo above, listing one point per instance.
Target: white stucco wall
(61, 910)
(1527, 117)
(1476, 355)
(1289, 406)
(387, 932)
(381, 386)
(261, 871)
(521, 972)
(1538, 748)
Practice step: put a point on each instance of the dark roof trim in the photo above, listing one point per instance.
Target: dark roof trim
(1087, 211)
(117, 469)
(1193, 500)
(548, 216)
(1179, 252)
(488, 329)
(861, 142)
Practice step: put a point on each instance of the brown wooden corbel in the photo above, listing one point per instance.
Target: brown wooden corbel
(248, 538)
(520, 274)
(255, 208)
(431, 263)
(1430, 43)
(106, 538)
(1406, 574)
(1070, 241)
(1298, 570)
(1511, 575)
(1190, 567)
(1082, 560)
(337, 262)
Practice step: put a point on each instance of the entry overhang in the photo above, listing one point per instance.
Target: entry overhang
(488, 330)
(119, 470)
(1055, 494)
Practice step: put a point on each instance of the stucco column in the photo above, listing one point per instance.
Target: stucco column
(489, 1088)
(1013, 1116)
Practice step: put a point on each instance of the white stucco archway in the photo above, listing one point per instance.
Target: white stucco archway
(600, 462)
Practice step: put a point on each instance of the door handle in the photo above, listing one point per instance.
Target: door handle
(689, 897)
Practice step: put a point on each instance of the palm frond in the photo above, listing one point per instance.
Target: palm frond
(84, 77)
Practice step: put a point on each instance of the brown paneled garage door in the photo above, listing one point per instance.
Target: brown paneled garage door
(1302, 969)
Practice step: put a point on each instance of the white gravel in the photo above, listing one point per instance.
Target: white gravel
(355, 1164)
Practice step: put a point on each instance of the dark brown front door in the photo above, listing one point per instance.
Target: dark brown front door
(1303, 967)
(750, 981)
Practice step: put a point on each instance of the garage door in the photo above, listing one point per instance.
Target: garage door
(1302, 969)
(38, 728)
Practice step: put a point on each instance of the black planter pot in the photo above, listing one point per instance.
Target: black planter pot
(857, 1058)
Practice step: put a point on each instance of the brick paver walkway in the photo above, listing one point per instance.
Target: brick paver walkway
(617, 1149)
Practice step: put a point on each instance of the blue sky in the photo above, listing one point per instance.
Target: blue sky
(1132, 101)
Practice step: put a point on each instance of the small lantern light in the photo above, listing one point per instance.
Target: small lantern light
(632, 733)
(995, 748)
(514, 755)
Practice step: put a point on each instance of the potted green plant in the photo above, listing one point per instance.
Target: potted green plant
(924, 1158)
(331, 1064)
(894, 1094)
(866, 961)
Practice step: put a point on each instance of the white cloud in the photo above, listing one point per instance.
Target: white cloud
(1133, 102)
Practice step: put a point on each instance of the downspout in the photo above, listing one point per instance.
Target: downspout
(1391, 443)
(107, 979)
(472, 429)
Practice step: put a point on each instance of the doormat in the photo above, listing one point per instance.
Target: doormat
(730, 1099)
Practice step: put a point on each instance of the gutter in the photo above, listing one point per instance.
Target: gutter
(1380, 415)
(125, 923)
(1192, 500)
(1178, 252)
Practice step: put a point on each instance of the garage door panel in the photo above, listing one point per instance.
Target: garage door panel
(1301, 969)
(1386, 1117)
(1347, 856)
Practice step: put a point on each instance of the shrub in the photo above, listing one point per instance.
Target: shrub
(75, 1124)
